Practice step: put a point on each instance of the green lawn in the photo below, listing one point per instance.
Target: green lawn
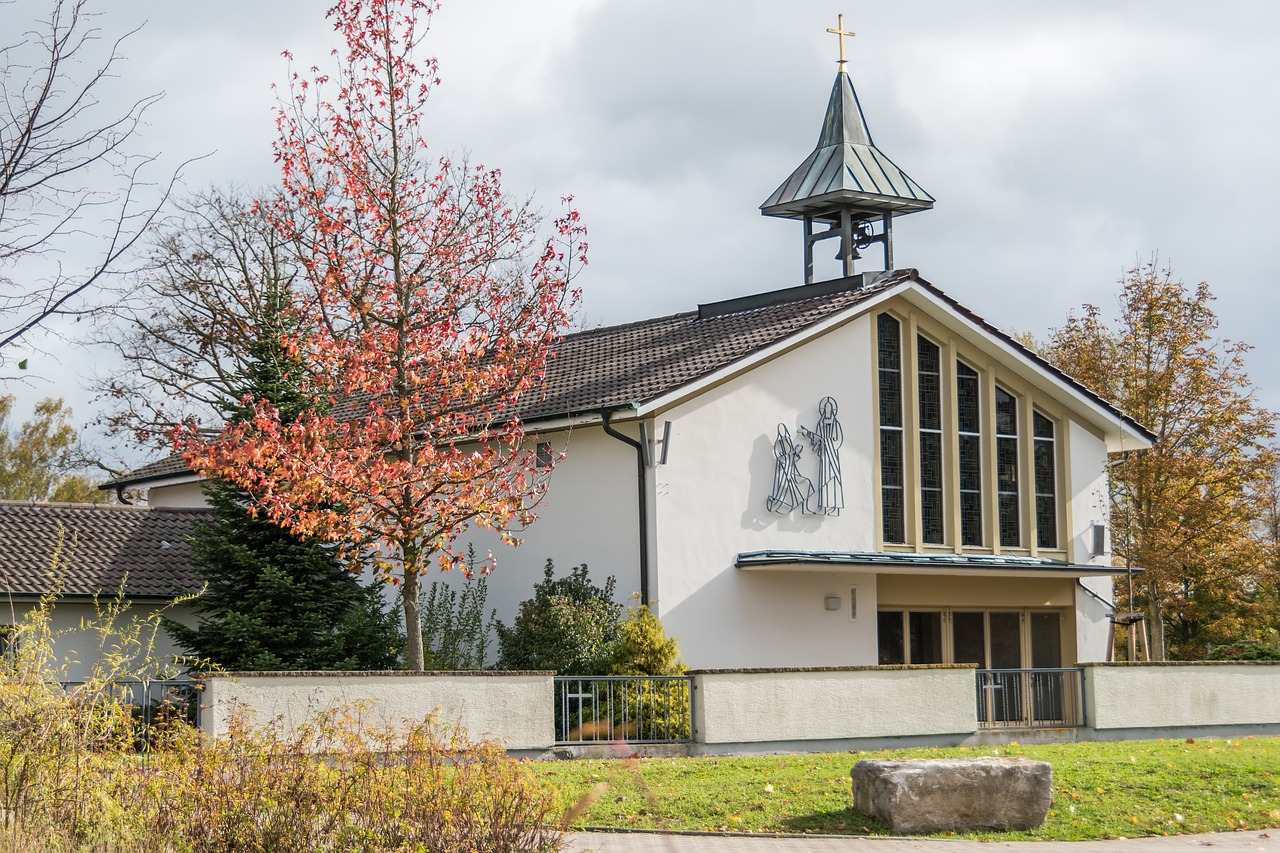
(1100, 790)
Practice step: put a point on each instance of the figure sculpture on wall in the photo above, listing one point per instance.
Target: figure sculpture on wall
(791, 489)
(826, 438)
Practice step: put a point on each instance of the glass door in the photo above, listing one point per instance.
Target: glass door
(1005, 630)
(1046, 653)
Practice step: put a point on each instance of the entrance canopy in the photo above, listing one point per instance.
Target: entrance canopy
(895, 563)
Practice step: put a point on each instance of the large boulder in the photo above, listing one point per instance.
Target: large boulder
(936, 795)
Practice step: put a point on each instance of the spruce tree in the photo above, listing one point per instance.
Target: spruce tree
(273, 600)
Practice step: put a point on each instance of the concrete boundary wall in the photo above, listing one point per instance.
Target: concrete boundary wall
(1169, 695)
(744, 711)
(791, 708)
(514, 708)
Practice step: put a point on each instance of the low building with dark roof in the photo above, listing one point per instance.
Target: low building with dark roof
(87, 555)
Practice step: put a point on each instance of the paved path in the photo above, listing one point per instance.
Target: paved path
(644, 842)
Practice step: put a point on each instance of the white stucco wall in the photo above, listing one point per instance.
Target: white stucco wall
(588, 515)
(1088, 504)
(1160, 695)
(188, 495)
(746, 707)
(710, 506)
(514, 708)
(79, 648)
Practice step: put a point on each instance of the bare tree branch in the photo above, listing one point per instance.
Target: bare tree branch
(68, 185)
(184, 326)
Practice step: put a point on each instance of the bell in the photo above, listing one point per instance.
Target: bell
(855, 254)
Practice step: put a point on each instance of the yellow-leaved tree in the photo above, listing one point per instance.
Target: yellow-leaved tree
(40, 460)
(1187, 511)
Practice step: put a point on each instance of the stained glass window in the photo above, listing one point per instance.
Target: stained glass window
(970, 425)
(892, 473)
(929, 393)
(1046, 483)
(1007, 469)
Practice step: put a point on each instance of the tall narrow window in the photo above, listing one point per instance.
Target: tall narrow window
(1046, 488)
(929, 392)
(1007, 468)
(970, 425)
(892, 501)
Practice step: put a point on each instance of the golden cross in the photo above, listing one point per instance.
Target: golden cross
(841, 32)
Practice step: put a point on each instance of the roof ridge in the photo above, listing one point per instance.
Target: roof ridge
(110, 507)
(73, 505)
(581, 333)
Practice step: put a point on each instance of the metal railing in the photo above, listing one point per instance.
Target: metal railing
(635, 709)
(1030, 698)
(154, 702)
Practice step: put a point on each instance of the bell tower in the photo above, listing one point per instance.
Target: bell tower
(847, 189)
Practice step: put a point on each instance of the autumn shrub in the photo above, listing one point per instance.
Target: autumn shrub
(341, 783)
(84, 768)
(61, 740)
(654, 708)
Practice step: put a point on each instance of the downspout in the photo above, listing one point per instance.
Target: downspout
(605, 414)
(1108, 604)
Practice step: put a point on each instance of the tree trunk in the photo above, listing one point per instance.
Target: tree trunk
(1156, 627)
(409, 594)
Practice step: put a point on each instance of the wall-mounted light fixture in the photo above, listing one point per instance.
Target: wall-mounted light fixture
(831, 602)
(647, 444)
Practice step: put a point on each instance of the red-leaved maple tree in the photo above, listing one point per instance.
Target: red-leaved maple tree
(430, 305)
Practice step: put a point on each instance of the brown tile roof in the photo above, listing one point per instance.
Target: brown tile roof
(638, 362)
(170, 466)
(613, 366)
(103, 546)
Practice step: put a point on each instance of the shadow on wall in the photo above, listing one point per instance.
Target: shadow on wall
(756, 515)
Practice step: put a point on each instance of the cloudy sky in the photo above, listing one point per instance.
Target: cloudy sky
(1063, 141)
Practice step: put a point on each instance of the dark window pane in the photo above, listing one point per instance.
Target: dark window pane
(1006, 413)
(891, 505)
(970, 518)
(967, 397)
(1045, 483)
(891, 457)
(889, 337)
(1007, 464)
(931, 460)
(1010, 535)
(1044, 466)
(1046, 522)
(1006, 641)
(889, 627)
(970, 463)
(1046, 641)
(930, 401)
(968, 634)
(890, 399)
(929, 381)
(926, 637)
(930, 356)
(931, 516)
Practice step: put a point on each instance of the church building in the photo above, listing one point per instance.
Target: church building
(851, 472)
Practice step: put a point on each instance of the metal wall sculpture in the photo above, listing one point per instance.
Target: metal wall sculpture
(791, 489)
